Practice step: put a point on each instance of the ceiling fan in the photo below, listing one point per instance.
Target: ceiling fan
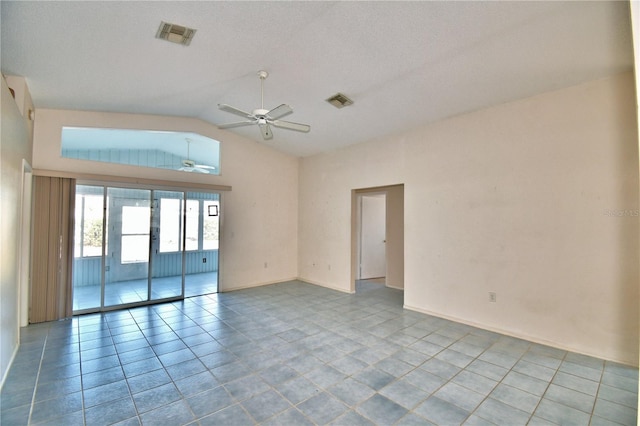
(262, 117)
(189, 165)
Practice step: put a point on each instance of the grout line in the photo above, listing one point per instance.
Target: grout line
(35, 386)
(595, 399)
(548, 386)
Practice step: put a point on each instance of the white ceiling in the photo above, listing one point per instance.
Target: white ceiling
(403, 63)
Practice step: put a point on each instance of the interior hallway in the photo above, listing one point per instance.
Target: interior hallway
(294, 353)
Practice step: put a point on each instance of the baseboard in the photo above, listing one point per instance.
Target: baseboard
(319, 284)
(394, 287)
(532, 339)
(260, 284)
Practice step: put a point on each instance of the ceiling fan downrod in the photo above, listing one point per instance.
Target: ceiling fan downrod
(263, 76)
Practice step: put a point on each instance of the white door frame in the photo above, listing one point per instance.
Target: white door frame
(395, 262)
(24, 249)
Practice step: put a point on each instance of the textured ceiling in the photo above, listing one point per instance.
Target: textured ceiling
(403, 63)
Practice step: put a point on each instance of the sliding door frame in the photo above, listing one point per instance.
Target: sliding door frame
(218, 190)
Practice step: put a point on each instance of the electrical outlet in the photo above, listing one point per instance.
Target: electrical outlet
(204, 260)
(492, 296)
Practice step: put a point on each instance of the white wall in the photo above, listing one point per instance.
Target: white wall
(259, 215)
(512, 199)
(15, 146)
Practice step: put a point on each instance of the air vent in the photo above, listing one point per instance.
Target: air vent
(339, 100)
(175, 33)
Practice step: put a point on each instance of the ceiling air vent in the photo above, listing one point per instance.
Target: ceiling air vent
(175, 33)
(339, 100)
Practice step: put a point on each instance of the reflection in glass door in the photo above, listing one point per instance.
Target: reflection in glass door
(136, 246)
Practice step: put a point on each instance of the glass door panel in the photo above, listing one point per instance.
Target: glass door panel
(128, 241)
(87, 251)
(201, 263)
(167, 245)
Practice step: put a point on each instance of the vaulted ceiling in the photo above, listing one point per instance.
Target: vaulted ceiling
(403, 63)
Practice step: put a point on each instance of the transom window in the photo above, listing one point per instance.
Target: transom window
(180, 151)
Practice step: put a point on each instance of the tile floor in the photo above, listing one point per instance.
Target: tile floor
(298, 354)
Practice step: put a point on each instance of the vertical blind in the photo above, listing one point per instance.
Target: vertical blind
(52, 249)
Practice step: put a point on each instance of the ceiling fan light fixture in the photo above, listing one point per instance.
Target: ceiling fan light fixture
(175, 33)
(339, 100)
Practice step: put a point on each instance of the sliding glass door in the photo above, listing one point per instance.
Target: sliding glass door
(167, 247)
(88, 247)
(136, 246)
(201, 257)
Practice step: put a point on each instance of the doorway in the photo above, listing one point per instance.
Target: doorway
(377, 236)
(137, 246)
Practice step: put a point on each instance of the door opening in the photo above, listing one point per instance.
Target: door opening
(377, 236)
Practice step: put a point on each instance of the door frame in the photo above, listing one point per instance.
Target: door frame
(152, 188)
(395, 239)
(24, 250)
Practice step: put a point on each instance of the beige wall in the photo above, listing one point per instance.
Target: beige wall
(260, 213)
(516, 199)
(15, 146)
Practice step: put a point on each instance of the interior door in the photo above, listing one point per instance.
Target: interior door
(373, 262)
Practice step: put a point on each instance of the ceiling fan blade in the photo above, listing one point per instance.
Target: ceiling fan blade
(205, 166)
(236, 124)
(291, 126)
(266, 131)
(193, 170)
(279, 111)
(236, 111)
